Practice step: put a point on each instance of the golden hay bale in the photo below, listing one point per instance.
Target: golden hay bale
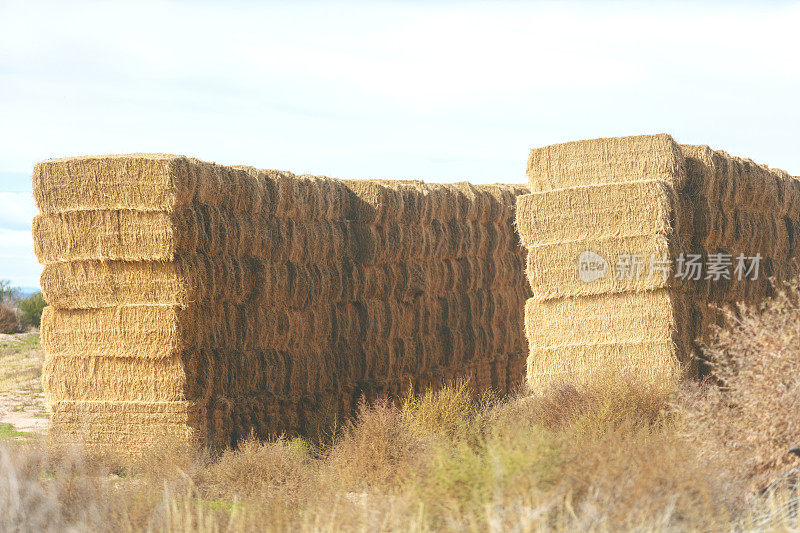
(147, 182)
(604, 266)
(625, 318)
(602, 161)
(135, 181)
(186, 376)
(162, 331)
(162, 236)
(85, 284)
(263, 292)
(596, 212)
(656, 362)
(121, 427)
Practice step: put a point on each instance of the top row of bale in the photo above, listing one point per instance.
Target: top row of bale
(158, 182)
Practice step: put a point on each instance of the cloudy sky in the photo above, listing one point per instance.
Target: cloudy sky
(442, 91)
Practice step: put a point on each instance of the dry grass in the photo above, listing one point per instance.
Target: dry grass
(753, 415)
(613, 455)
(575, 458)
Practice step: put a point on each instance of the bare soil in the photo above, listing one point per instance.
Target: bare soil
(23, 414)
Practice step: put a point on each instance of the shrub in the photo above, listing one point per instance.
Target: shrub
(9, 319)
(31, 310)
(748, 410)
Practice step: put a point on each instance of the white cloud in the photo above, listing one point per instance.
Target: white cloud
(373, 89)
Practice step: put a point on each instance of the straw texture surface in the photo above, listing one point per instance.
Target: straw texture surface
(204, 302)
(611, 226)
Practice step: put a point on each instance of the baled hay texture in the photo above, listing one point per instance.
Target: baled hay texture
(242, 373)
(516, 369)
(280, 290)
(475, 204)
(156, 182)
(149, 332)
(136, 181)
(701, 178)
(153, 331)
(739, 231)
(146, 182)
(627, 318)
(84, 284)
(373, 202)
(553, 270)
(184, 282)
(741, 183)
(596, 212)
(503, 200)
(233, 419)
(655, 362)
(395, 242)
(163, 236)
(187, 376)
(645, 335)
(88, 284)
(126, 425)
(598, 161)
(426, 203)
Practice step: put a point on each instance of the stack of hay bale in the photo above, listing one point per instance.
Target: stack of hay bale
(196, 302)
(609, 226)
(742, 209)
(444, 286)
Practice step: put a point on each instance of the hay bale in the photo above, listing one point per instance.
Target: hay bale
(187, 376)
(591, 213)
(87, 284)
(603, 161)
(258, 297)
(603, 266)
(125, 427)
(596, 196)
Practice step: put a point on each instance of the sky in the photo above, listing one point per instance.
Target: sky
(441, 91)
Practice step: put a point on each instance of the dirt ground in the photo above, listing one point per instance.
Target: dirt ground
(23, 414)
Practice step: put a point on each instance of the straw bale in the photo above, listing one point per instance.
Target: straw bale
(596, 212)
(149, 182)
(737, 182)
(125, 425)
(161, 331)
(241, 373)
(553, 270)
(187, 376)
(656, 362)
(84, 284)
(162, 236)
(611, 160)
(626, 318)
(136, 181)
